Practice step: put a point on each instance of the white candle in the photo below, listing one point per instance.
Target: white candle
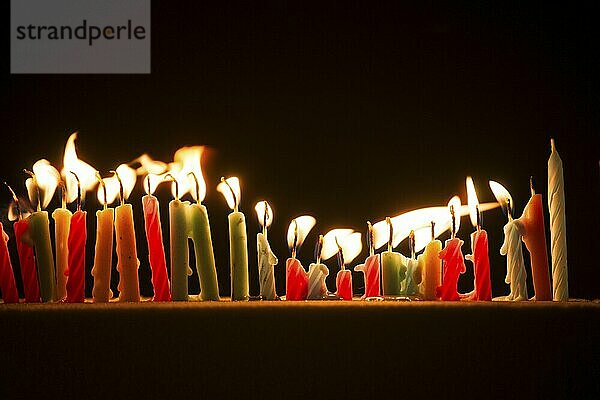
(266, 259)
(558, 231)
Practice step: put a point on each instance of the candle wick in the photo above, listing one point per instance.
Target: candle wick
(265, 218)
(121, 194)
(147, 181)
(478, 217)
(235, 200)
(105, 200)
(432, 230)
(318, 249)
(391, 236)
(453, 221)
(508, 210)
(531, 186)
(172, 178)
(78, 190)
(340, 254)
(197, 186)
(552, 146)
(16, 201)
(295, 239)
(411, 244)
(37, 189)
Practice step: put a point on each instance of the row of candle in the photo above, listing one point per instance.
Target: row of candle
(432, 275)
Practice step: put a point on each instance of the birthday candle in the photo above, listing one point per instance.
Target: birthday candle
(393, 267)
(317, 273)
(370, 268)
(296, 278)
(266, 259)
(7, 276)
(101, 270)
(178, 228)
(453, 261)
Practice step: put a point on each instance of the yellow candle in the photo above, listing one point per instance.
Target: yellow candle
(62, 222)
(103, 256)
(127, 261)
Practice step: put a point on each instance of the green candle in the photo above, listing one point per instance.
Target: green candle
(39, 237)
(393, 267)
(238, 242)
(180, 266)
(199, 230)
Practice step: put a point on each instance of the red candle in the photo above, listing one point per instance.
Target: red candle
(7, 276)
(481, 265)
(343, 282)
(296, 280)
(156, 250)
(27, 261)
(76, 272)
(372, 276)
(453, 266)
(534, 237)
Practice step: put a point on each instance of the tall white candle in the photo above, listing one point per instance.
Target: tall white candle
(558, 231)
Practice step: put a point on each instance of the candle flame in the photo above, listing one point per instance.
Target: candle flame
(128, 178)
(503, 196)
(47, 179)
(349, 241)
(85, 172)
(472, 201)
(187, 160)
(233, 183)
(420, 221)
(455, 206)
(260, 213)
(304, 223)
(150, 166)
(22, 206)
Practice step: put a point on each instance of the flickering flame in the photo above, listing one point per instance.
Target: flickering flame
(150, 166)
(349, 241)
(298, 230)
(47, 178)
(187, 160)
(503, 196)
(260, 208)
(85, 172)
(330, 248)
(128, 178)
(226, 187)
(472, 201)
(13, 210)
(151, 182)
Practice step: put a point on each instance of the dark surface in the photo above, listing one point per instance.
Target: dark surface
(301, 350)
(346, 110)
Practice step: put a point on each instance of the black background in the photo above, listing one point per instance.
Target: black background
(345, 110)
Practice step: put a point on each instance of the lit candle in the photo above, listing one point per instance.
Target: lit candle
(127, 261)
(558, 228)
(101, 270)
(156, 250)
(349, 247)
(512, 247)
(432, 267)
(370, 268)
(296, 278)
(479, 248)
(25, 251)
(238, 242)
(453, 261)
(199, 227)
(8, 287)
(38, 236)
(534, 236)
(413, 269)
(393, 266)
(317, 272)
(62, 224)
(76, 251)
(266, 259)
(178, 227)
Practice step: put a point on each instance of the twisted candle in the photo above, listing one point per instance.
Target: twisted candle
(515, 266)
(558, 237)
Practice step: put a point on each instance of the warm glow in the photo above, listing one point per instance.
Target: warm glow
(14, 209)
(128, 178)
(187, 160)
(304, 225)
(330, 248)
(472, 201)
(502, 195)
(151, 182)
(233, 183)
(420, 221)
(85, 172)
(47, 178)
(150, 166)
(260, 213)
(349, 241)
